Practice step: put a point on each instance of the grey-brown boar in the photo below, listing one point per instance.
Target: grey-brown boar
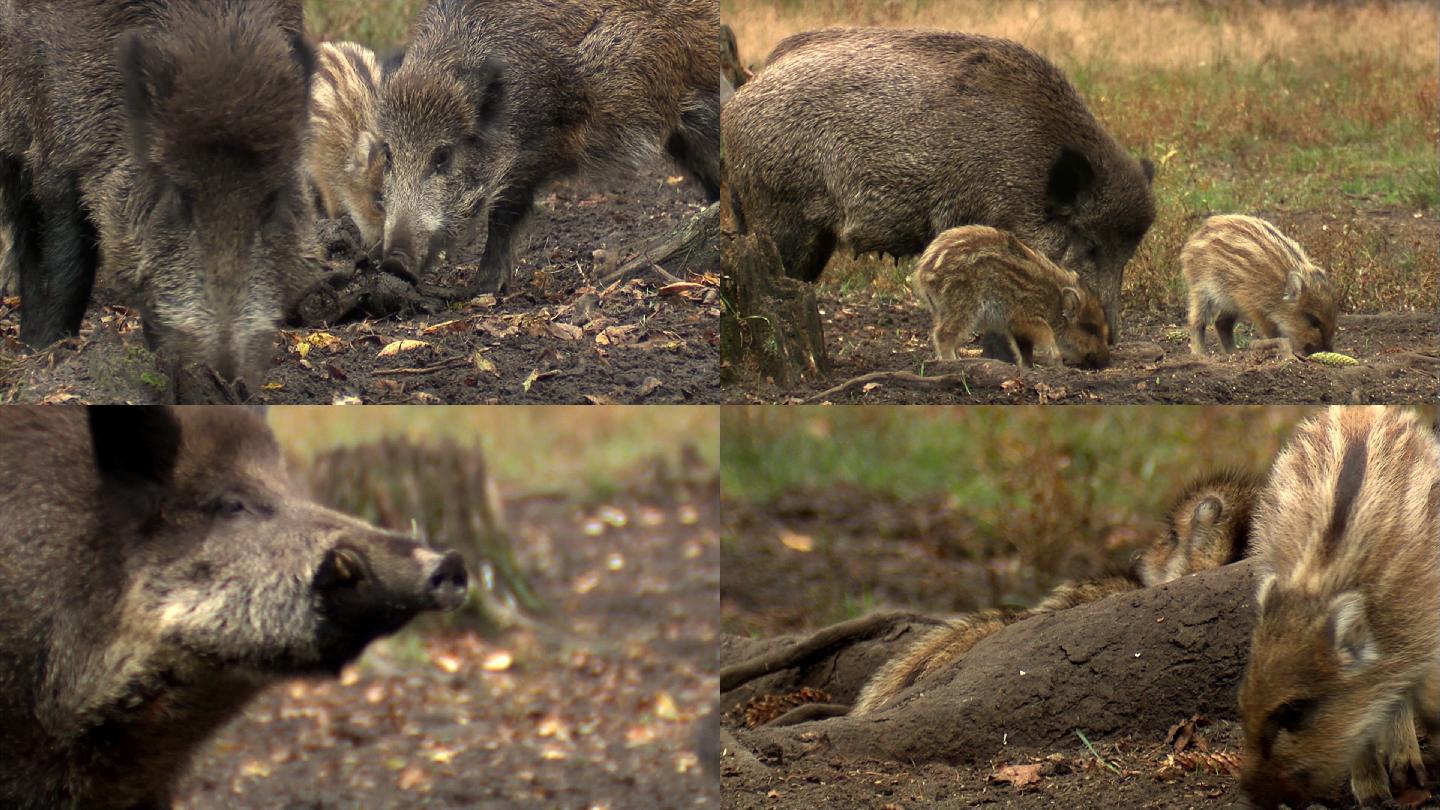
(879, 139)
(1346, 649)
(1244, 267)
(979, 279)
(495, 98)
(1206, 526)
(167, 137)
(157, 569)
(344, 157)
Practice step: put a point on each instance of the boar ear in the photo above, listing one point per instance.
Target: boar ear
(391, 63)
(1262, 593)
(1071, 177)
(1208, 511)
(487, 87)
(1069, 303)
(135, 445)
(1149, 169)
(1350, 633)
(148, 74)
(304, 55)
(1294, 283)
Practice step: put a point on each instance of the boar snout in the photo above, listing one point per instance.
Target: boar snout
(447, 583)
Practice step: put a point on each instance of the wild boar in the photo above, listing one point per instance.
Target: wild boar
(979, 279)
(343, 158)
(733, 73)
(879, 139)
(1346, 648)
(1244, 267)
(1205, 527)
(161, 569)
(495, 98)
(167, 137)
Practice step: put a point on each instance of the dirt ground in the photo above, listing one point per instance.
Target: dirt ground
(595, 707)
(559, 337)
(866, 333)
(1148, 677)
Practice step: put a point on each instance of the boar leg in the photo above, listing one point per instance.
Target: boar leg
(1032, 336)
(20, 215)
(999, 346)
(809, 253)
(1369, 781)
(1199, 318)
(1405, 766)
(57, 289)
(948, 334)
(696, 144)
(1225, 330)
(497, 264)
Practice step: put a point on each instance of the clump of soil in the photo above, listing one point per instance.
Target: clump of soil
(560, 336)
(594, 705)
(1134, 674)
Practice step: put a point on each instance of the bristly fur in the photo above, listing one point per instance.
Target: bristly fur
(1346, 652)
(1208, 525)
(345, 161)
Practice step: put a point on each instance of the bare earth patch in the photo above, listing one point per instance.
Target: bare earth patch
(560, 337)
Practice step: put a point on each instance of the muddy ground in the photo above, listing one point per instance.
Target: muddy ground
(559, 337)
(868, 333)
(1148, 677)
(594, 707)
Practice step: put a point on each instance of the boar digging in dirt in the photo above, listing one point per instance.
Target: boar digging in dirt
(1346, 651)
(494, 99)
(166, 138)
(1244, 267)
(977, 278)
(880, 139)
(158, 570)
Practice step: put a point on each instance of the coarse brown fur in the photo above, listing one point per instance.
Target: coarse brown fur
(495, 98)
(1346, 650)
(1208, 525)
(164, 139)
(344, 156)
(157, 568)
(879, 139)
(1196, 538)
(979, 279)
(1244, 267)
(733, 73)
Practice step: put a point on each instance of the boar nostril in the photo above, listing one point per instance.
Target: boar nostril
(449, 582)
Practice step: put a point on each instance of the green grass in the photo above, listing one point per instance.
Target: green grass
(576, 449)
(377, 24)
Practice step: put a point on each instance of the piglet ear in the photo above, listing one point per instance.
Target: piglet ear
(1350, 633)
(1294, 285)
(135, 445)
(1208, 511)
(1069, 303)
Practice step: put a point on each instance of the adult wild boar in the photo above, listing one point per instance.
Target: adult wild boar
(880, 139)
(158, 569)
(496, 97)
(166, 137)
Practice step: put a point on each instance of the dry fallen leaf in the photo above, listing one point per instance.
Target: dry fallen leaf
(1018, 775)
(566, 331)
(485, 364)
(797, 542)
(498, 661)
(395, 347)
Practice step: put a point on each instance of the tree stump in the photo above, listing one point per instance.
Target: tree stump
(692, 248)
(770, 324)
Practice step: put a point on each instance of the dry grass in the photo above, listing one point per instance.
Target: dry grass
(378, 24)
(1317, 116)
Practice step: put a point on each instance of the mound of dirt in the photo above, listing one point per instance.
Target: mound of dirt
(1130, 666)
(561, 336)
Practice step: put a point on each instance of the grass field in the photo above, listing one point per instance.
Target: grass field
(378, 25)
(574, 449)
(1323, 116)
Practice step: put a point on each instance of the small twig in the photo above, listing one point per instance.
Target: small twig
(905, 379)
(1098, 758)
(448, 364)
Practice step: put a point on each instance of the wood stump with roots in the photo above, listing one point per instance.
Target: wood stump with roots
(769, 323)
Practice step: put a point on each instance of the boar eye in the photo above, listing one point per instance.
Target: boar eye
(389, 158)
(1312, 320)
(440, 161)
(1294, 714)
(1092, 330)
(229, 507)
(380, 201)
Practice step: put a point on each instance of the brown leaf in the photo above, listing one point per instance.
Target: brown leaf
(395, 347)
(566, 331)
(648, 387)
(1018, 775)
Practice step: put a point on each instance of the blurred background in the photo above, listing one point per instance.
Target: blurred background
(832, 512)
